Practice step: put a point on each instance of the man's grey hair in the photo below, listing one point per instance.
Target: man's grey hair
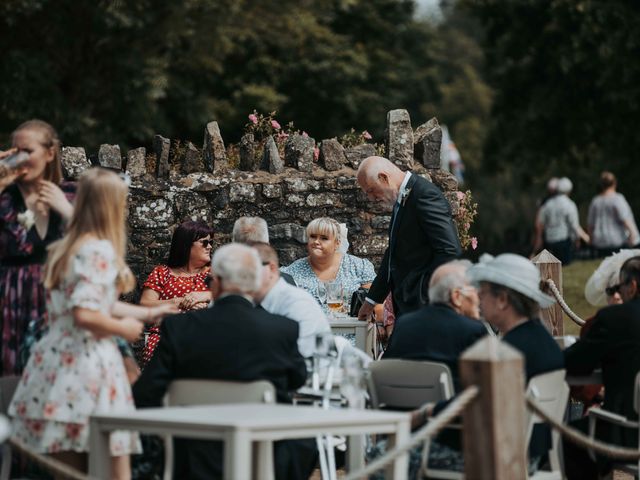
(442, 284)
(238, 266)
(250, 229)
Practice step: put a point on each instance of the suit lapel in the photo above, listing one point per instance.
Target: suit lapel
(396, 219)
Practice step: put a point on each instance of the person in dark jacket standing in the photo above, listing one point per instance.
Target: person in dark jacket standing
(422, 234)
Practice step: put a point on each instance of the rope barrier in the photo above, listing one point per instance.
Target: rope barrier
(432, 428)
(580, 439)
(558, 296)
(56, 467)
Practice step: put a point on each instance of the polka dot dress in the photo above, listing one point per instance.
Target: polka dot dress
(169, 286)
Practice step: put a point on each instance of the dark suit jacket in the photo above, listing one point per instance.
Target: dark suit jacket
(229, 341)
(423, 237)
(613, 343)
(435, 333)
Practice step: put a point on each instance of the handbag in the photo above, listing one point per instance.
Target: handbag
(357, 300)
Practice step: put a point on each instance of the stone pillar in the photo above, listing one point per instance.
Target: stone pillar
(298, 152)
(191, 161)
(109, 156)
(271, 157)
(551, 267)
(213, 151)
(399, 138)
(74, 162)
(427, 144)
(161, 146)
(248, 161)
(494, 422)
(136, 162)
(332, 155)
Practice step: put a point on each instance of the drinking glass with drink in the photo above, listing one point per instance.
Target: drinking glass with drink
(335, 297)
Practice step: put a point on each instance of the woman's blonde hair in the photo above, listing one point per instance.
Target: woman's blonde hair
(99, 211)
(53, 170)
(324, 226)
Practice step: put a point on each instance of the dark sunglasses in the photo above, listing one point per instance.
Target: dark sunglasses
(206, 243)
(611, 291)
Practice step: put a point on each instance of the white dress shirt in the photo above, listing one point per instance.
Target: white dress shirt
(297, 304)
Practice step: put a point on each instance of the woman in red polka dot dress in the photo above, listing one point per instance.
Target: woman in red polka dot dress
(182, 280)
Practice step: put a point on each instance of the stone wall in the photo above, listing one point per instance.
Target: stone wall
(179, 182)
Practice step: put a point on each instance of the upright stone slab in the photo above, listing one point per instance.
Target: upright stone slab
(427, 144)
(248, 161)
(213, 151)
(399, 138)
(192, 162)
(332, 154)
(136, 162)
(355, 155)
(271, 157)
(162, 145)
(109, 156)
(494, 422)
(74, 162)
(298, 152)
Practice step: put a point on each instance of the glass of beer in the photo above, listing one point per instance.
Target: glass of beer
(334, 297)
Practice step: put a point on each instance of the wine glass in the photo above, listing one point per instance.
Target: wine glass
(352, 384)
(322, 292)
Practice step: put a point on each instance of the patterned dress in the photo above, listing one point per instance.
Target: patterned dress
(22, 255)
(169, 286)
(353, 273)
(71, 374)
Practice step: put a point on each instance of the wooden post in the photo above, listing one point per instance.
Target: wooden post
(494, 423)
(551, 267)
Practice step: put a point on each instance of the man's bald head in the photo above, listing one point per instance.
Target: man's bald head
(450, 285)
(380, 180)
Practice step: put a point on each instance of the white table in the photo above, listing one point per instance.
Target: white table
(239, 425)
(365, 332)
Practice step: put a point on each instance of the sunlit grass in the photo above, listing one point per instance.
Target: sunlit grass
(574, 278)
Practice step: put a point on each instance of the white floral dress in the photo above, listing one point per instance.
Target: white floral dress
(71, 374)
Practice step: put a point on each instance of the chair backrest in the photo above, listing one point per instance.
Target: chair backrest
(8, 387)
(210, 392)
(551, 392)
(407, 384)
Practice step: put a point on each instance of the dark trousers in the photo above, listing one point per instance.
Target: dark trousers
(578, 465)
(203, 459)
(563, 250)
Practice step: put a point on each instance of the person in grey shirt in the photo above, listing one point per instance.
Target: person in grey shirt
(558, 218)
(610, 221)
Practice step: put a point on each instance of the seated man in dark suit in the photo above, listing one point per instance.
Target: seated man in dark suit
(441, 331)
(232, 340)
(613, 343)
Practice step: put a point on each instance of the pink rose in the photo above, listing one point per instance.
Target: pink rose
(460, 195)
(275, 124)
(253, 119)
(474, 243)
(304, 134)
(366, 135)
(316, 153)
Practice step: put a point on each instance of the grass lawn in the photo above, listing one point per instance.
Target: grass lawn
(574, 278)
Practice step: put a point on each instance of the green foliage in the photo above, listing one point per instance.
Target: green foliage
(567, 85)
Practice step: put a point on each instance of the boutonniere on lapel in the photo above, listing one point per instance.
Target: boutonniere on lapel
(26, 219)
(404, 194)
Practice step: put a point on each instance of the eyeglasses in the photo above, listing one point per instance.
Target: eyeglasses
(611, 291)
(205, 242)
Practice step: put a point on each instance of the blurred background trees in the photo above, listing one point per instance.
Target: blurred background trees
(528, 89)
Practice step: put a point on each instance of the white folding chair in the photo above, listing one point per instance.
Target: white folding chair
(212, 392)
(8, 387)
(621, 421)
(551, 392)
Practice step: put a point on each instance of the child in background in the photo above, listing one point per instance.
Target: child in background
(76, 369)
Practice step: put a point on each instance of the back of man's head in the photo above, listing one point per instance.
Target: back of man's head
(630, 272)
(266, 252)
(446, 278)
(238, 267)
(250, 229)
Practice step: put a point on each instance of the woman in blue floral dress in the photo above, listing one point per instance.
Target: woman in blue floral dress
(34, 206)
